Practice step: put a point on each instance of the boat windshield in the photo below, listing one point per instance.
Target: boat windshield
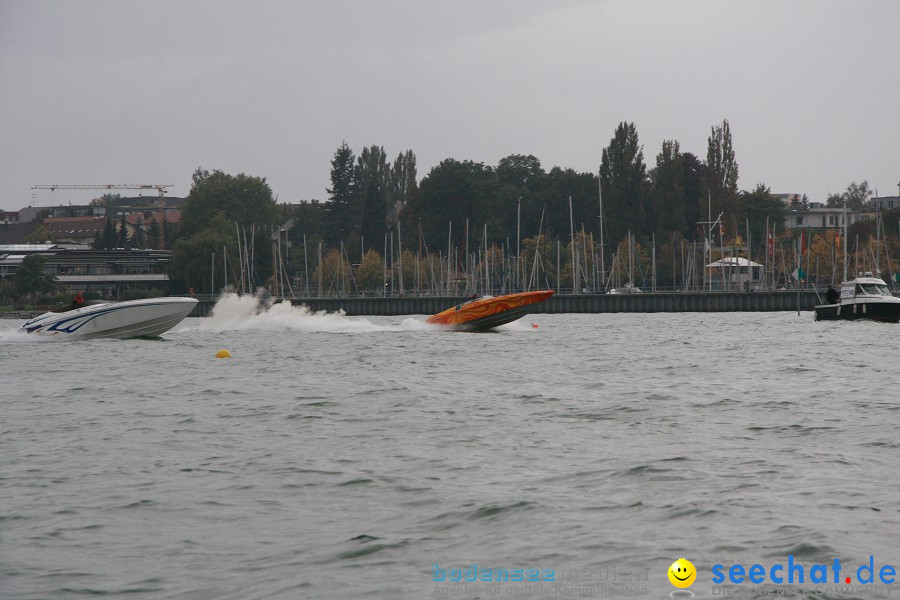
(872, 289)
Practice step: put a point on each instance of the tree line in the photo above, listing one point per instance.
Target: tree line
(378, 208)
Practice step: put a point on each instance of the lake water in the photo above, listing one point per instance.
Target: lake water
(339, 457)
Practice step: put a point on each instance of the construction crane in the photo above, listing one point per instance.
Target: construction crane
(162, 189)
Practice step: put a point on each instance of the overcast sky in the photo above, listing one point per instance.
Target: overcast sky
(96, 92)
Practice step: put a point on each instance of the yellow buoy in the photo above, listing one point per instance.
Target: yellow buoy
(223, 354)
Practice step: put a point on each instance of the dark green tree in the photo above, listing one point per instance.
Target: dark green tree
(757, 206)
(154, 235)
(109, 235)
(521, 181)
(372, 181)
(692, 181)
(139, 240)
(341, 208)
(453, 191)
(192, 257)
(856, 195)
(39, 235)
(720, 178)
(403, 184)
(240, 199)
(667, 214)
(105, 199)
(515, 180)
(623, 177)
(560, 185)
(523, 172)
(31, 277)
(122, 238)
(168, 233)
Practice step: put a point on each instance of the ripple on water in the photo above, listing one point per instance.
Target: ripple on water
(334, 457)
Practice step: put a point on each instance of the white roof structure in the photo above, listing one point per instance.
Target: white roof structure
(733, 262)
(28, 247)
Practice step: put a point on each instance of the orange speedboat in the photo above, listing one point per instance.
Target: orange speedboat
(487, 312)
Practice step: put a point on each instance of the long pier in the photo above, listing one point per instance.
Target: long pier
(772, 301)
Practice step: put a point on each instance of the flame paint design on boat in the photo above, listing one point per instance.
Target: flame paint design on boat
(481, 314)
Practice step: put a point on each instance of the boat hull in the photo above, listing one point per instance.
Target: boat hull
(487, 313)
(135, 318)
(886, 312)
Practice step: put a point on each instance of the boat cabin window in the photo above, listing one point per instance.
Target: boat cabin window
(872, 289)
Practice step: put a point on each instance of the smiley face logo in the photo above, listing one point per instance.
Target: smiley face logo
(682, 573)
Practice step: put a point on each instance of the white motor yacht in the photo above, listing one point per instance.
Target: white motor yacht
(149, 317)
(865, 297)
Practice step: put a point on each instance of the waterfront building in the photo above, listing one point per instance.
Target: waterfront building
(113, 274)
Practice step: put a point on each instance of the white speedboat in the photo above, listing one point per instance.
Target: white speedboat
(97, 319)
(865, 297)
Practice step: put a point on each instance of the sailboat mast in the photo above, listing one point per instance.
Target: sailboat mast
(574, 253)
(845, 241)
(602, 262)
(449, 252)
(400, 255)
(518, 240)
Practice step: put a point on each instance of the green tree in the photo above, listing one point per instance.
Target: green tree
(31, 277)
(856, 195)
(341, 209)
(721, 177)
(154, 235)
(622, 178)
(408, 264)
(630, 265)
(370, 274)
(39, 235)
(309, 219)
(403, 184)
(192, 257)
(122, 239)
(538, 262)
(669, 270)
(835, 201)
(523, 172)
(240, 199)
(559, 186)
(139, 240)
(667, 214)
(758, 206)
(372, 181)
(692, 180)
(521, 181)
(452, 192)
(217, 201)
(168, 233)
(334, 272)
(109, 235)
(105, 199)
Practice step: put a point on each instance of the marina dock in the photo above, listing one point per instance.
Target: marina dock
(772, 301)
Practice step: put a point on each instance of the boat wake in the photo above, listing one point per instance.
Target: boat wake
(17, 335)
(233, 312)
